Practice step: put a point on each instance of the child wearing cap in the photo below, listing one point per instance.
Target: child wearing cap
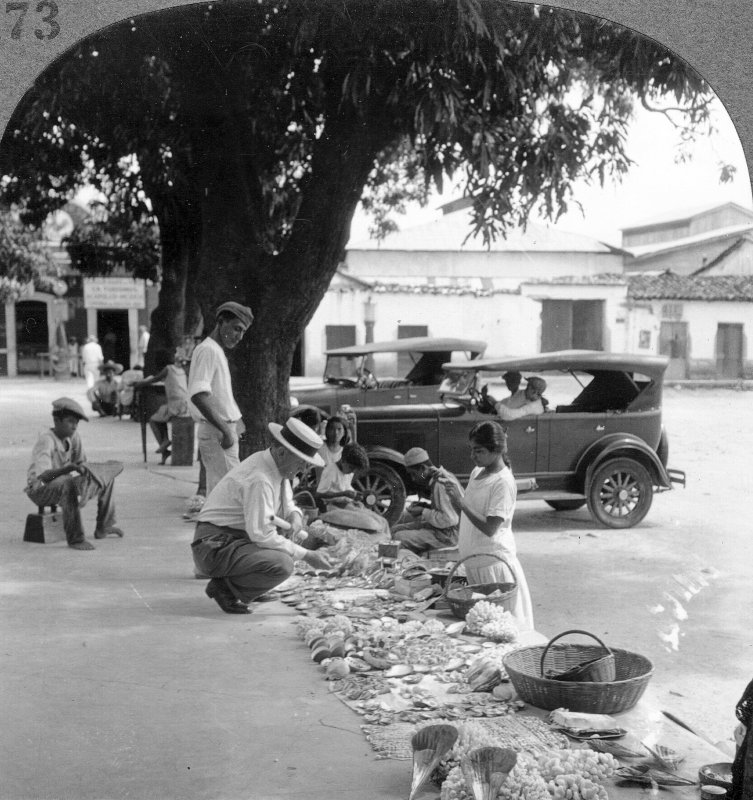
(60, 475)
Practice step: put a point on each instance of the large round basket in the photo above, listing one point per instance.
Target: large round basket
(602, 668)
(460, 598)
(632, 674)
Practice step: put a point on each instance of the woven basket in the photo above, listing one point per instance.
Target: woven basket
(632, 674)
(601, 668)
(460, 600)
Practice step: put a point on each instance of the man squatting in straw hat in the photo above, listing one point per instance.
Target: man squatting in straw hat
(211, 392)
(236, 541)
(58, 454)
(426, 526)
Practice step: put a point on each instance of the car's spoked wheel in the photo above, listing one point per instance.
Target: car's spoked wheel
(382, 490)
(620, 493)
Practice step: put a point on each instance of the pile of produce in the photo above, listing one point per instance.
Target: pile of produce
(492, 622)
(559, 774)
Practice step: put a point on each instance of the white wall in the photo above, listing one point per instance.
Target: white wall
(508, 266)
(508, 323)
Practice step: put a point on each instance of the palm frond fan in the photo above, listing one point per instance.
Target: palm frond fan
(485, 769)
(430, 745)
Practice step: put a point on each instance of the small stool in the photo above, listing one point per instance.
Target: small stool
(182, 436)
(45, 527)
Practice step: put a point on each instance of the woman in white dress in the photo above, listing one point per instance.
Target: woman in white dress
(486, 511)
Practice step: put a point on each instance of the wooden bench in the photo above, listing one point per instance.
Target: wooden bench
(45, 527)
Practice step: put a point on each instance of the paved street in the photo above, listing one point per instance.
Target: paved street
(120, 679)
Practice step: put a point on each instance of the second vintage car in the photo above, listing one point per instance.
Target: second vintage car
(396, 371)
(600, 443)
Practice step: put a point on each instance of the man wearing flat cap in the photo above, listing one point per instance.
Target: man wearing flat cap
(60, 475)
(427, 525)
(237, 542)
(212, 403)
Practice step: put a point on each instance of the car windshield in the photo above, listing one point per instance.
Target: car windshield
(416, 368)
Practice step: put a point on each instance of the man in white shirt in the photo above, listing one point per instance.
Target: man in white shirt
(212, 403)
(91, 358)
(237, 542)
(523, 404)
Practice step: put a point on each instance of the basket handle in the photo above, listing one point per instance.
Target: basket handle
(448, 581)
(565, 633)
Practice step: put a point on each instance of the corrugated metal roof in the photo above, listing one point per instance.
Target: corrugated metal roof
(681, 215)
(448, 234)
(648, 250)
(668, 286)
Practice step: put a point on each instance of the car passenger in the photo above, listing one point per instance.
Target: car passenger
(523, 404)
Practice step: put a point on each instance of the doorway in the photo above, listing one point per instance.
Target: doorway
(572, 324)
(729, 350)
(673, 342)
(114, 336)
(32, 334)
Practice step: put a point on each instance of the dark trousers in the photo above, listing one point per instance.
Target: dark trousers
(71, 493)
(249, 570)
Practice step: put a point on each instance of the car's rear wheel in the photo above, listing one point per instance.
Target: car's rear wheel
(566, 505)
(620, 493)
(382, 490)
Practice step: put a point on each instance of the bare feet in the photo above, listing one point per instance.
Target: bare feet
(83, 545)
(112, 531)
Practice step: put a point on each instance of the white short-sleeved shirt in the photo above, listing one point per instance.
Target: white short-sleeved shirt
(493, 495)
(333, 479)
(210, 372)
(247, 497)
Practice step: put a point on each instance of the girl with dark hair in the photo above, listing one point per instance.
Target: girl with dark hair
(176, 393)
(486, 511)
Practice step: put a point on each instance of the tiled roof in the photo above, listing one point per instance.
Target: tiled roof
(668, 286)
(604, 279)
(446, 290)
(449, 232)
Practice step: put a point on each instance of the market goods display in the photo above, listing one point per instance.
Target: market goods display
(486, 769)
(462, 599)
(429, 745)
(491, 621)
(570, 774)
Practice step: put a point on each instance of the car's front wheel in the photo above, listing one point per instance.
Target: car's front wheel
(620, 493)
(382, 490)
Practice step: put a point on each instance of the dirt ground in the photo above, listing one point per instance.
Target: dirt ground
(678, 587)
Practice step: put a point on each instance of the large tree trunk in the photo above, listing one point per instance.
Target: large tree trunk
(285, 289)
(178, 234)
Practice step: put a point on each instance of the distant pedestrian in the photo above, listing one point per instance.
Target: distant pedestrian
(57, 455)
(110, 345)
(211, 392)
(143, 343)
(92, 358)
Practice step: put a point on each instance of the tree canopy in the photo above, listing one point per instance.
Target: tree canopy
(24, 261)
(257, 127)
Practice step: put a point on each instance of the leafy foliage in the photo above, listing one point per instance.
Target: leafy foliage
(24, 260)
(252, 128)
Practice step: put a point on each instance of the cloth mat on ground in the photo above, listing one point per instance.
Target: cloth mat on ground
(516, 732)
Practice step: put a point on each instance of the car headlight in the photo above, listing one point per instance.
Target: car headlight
(293, 401)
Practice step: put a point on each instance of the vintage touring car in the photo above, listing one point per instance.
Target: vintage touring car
(394, 372)
(600, 443)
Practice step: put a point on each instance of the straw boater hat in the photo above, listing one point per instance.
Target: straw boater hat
(116, 368)
(67, 405)
(299, 439)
